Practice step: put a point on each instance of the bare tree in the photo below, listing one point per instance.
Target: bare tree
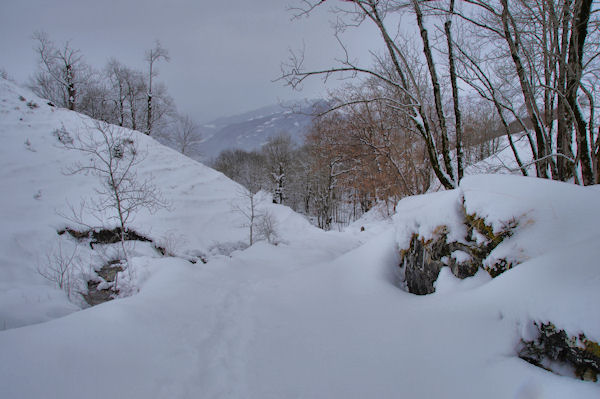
(112, 156)
(116, 74)
(397, 70)
(278, 156)
(59, 267)
(550, 46)
(248, 199)
(248, 210)
(62, 72)
(152, 56)
(246, 168)
(135, 90)
(540, 59)
(579, 32)
(186, 135)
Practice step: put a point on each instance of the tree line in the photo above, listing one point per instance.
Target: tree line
(349, 163)
(452, 79)
(532, 62)
(115, 94)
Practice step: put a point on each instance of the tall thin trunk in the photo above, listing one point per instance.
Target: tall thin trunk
(565, 121)
(437, 94)
(71, 93)
(597, 155)
(149, 101)
(446, 179)
(455, 99)
(574, 71)
(528, 97)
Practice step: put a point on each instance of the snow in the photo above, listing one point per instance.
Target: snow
(422, 214)
(319, 315)
(503, 161)
(552, 243)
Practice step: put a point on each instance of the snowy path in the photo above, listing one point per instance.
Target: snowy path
(344, 330)
(317, 319)
(307, 321)
(185, 334)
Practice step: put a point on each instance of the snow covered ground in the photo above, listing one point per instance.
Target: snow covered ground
(318, 316)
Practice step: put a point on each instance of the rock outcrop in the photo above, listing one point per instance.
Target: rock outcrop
(424, 258)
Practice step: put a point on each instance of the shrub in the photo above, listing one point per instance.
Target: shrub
(60, 266)
(266, 227)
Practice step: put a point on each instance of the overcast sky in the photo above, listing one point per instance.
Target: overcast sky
(224, 54)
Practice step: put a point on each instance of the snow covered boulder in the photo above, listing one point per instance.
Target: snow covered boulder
(491, 222)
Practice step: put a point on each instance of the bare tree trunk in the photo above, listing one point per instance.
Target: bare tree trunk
(528, 97)
(436, 90)
(597, 155)
(563, 134)
(457, 114)
(149, 105)
(70, 87)
(446, 179)
(574, 71)
(251, 219)
(522, 168)
(152, 56)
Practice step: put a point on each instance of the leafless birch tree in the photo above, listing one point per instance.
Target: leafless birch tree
(152, 56)
(112, 156)
(61, 74)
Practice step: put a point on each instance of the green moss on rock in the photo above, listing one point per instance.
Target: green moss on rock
(554, 345)
(424, 258)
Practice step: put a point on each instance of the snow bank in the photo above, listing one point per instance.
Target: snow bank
(556, 276)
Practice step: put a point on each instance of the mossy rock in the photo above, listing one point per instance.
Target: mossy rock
(555, 345)
(424, 258)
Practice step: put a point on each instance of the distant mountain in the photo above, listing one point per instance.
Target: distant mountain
(250, 130)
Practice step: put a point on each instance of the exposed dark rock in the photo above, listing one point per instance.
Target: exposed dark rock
(94, 296)
(423, 264)
(554, 345)
(104, 236)
(108, 273)
(80, 235)
(423, 259)
(108, 236)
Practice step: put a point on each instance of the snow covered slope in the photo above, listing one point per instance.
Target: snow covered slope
(503, 161)
(199, 221)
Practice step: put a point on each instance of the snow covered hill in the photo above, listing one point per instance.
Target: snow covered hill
(33, 162)
(320, 315)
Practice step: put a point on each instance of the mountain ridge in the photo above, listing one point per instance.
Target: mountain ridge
(250, 130)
